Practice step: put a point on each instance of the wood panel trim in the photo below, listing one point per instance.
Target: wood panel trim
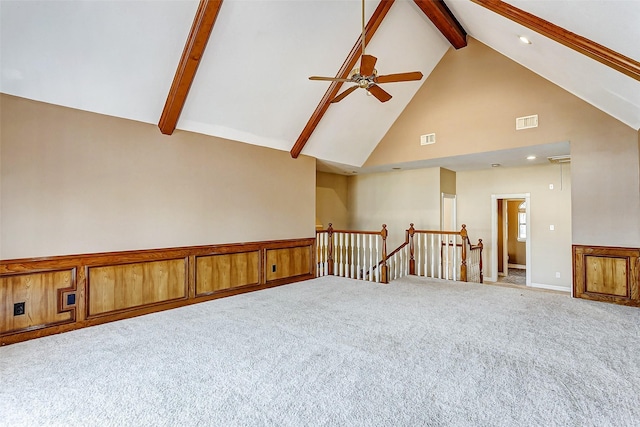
(438, 13)
(631, 258)
(593, 50)
(348, 65)
(82, 263)
(258, 281)
(32, 265)
(310, 259)
(64, 293)
(89, 315)
(201, 28)
(59, 306)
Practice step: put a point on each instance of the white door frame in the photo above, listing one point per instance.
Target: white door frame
(494, 233)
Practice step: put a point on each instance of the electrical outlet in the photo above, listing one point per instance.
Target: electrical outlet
(273, 268)
(557, 274)
(18, 309)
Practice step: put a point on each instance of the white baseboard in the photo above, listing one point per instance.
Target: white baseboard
(520, 266)
(551, 287)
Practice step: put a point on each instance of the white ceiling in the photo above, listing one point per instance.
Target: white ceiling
(119, 58)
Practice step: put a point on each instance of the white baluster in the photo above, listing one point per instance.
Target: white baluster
(357, 259)
(324, 253)
(336, 254)
(405, 265)
(378, 259)
(418, 252)
(342, 237)
(439, 257)
(426, 255)
(370, 269)
(353, 260)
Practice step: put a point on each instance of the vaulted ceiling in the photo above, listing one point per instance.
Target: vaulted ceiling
(251, 83)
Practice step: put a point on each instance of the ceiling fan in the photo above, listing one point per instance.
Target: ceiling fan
(366, 76)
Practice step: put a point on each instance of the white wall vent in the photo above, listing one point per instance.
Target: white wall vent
(428, 139)
(527, 122)
(560, 159)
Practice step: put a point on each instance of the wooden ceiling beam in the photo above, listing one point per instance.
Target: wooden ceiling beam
(348, 65)
(193, 50)
(587, 47)
(438, 12)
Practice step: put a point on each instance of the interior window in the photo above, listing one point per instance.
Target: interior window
(522, 221)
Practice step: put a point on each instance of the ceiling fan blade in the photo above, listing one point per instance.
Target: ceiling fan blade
(400, 77)
(367, 63)
(344, 94)
(379, 93)
(329, 79)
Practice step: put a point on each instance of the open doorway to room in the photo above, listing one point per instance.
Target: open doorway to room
(448, 214)
(511, 233)
(448, 223)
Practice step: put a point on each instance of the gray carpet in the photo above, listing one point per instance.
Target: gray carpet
(338, 352)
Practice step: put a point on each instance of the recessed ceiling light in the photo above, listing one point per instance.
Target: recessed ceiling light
(524, 40)
(495, 165)
(531, 157)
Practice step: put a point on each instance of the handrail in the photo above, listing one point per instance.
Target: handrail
(390, 256)
(340, 252)
(343, 251)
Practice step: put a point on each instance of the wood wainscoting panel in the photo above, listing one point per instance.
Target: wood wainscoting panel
(607, 274)
(39, 292)
(226, 271)
(288, 262)
(119, 287)
(63, 293)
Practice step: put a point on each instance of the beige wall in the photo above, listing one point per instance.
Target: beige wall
(550, 250)
(78, 182)
(606, 188)
(471, 101)
(0, 179)
(397, 199)
(331, 200)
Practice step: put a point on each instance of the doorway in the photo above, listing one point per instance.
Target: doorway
(448, 223)
(511, 259)
(448, 214)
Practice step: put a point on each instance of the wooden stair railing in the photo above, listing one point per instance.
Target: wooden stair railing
(352, 254)
(438, 253)
(429, 253)
(433, 253)
(475, 272)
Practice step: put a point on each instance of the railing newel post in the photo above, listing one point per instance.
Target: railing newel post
(463, 266)
(330, 250)
(384, 278)
(412, 262)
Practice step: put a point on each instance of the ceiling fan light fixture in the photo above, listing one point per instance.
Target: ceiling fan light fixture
(366, 76)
